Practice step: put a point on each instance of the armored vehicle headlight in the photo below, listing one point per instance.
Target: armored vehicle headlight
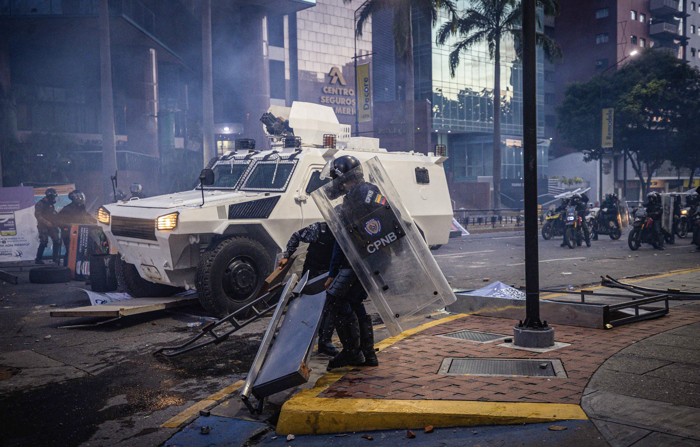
(103, 215)
(167, 222)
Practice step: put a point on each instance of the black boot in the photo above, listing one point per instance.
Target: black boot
(367, 341)
(325, 334)
(349, 333)
(40, 253)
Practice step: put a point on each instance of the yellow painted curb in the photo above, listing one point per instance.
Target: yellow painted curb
(306, 413)
(185, 415)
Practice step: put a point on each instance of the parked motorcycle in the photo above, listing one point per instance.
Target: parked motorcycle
(642, 232)
(681, 224)
(574, 234)
(553, 225)
(607, 223)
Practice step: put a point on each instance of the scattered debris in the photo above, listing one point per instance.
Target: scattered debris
(410, 434)
(368, 437)
(508, 340)
(205, 430)
(50, 305)
(341, 435)
(290, 437)
(486, 279)
(557, 427)
(429, 429)
(566, 273)
(48, 337)
(197, 324)
(204, 413)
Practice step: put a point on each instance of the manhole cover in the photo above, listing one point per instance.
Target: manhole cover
(503, 367)
(481, 337)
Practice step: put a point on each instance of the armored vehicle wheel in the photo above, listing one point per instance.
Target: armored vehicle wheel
(132, 283)
(230, 275)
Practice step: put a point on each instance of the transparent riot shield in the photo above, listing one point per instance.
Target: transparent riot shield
(667, 218)
(624, 215)
(383, 244)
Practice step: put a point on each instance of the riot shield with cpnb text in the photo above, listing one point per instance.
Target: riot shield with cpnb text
(383, 244)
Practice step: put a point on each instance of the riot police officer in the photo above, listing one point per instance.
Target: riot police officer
(45, 214)
(73, 213)
(318, 260)
(344, 290)
(655, 210)
(137, 191)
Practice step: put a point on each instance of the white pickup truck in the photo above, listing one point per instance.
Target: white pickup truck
(223, 240)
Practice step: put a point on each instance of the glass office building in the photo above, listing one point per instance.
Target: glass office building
(461, 106)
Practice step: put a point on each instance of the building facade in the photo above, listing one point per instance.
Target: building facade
(457, 111)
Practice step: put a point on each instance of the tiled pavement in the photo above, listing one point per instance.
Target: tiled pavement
(408, 369)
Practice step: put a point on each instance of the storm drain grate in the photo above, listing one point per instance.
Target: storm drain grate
(503, 367)
(481, 337)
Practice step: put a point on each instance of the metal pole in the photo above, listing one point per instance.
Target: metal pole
(109, 150)
(532, 274)
(209, 144)
(624, 174)
(357, 97)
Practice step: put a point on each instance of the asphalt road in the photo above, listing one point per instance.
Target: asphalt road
(101, 386)
(471, 262)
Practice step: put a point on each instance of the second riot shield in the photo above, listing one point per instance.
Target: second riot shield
(667, 218)
(624, 215)
(382, 244)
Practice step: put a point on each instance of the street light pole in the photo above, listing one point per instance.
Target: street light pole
(531, 333)
(602, 150)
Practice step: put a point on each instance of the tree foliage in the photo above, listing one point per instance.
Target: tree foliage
(656, 98)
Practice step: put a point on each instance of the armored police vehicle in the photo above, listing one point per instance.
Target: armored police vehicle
(223, 237)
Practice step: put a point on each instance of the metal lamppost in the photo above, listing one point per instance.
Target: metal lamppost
(531, 333)
(354, 60)
(602, 150)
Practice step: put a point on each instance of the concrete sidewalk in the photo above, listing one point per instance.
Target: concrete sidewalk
(638, 384)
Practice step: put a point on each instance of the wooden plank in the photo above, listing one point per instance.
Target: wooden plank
(276, 277)
(127, 307)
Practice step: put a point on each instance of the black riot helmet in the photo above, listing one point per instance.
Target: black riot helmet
(136, 189)
(51, 194)
(77, 197)
(344, 164)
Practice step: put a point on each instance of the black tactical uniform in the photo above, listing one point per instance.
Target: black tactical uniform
(345, 293)
(318, 260)
(46, 224)
(71, 214)
(655, 210)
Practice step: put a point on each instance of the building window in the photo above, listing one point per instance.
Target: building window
(642, 42)
(692, 52)
(602, 13)
(642, 17)
(692, 29)
(601, 38)
(633, 40)
(277, 84)
(633, 15)
(601, 64)
(692, 6)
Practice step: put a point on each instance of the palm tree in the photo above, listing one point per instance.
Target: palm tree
(403, 40)
(491, 21)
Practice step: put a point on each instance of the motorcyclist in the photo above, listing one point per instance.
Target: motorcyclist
(561, 210)
(655, 211)
(318, 260)
(137, 191)
(608, 212)
(45, 214)
(580, 202)
(73, 213)
(344, 290)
